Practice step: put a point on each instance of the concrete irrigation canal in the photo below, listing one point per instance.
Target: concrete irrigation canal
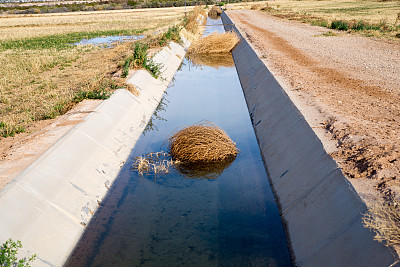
(281, 202)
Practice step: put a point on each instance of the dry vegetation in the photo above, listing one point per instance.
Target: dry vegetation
(194, 24)
(371, 18)
(384, 220)
(201, 143)
(215, 43)
(50, 77)
(214, 12)
(28, 26)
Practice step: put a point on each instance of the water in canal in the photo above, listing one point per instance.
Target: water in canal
(228, 217)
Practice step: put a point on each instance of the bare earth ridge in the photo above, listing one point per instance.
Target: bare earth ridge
(348, 89)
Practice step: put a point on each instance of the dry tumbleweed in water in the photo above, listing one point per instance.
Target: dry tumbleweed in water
(215, 43)
(202, 142)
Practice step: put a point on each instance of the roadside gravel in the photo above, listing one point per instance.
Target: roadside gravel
(347, 87)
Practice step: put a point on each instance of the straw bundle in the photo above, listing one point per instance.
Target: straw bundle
(215, 43)
(214, 12)
(202, 142)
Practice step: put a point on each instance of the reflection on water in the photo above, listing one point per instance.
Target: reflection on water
(230, 218)
(156, 117)
(159, 164)
(212, 60)
(206, 171)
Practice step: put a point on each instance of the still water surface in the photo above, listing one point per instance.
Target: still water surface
(226, 218)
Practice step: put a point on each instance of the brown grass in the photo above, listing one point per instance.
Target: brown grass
(384, 220)
(202, 142)
(215, 43)
(28, 26)
(195, 19)
(214, 60)
(41, 84)
(214, 12)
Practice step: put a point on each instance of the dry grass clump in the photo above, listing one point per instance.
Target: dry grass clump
(215, 43)
(202, 142)
(154, 163)
(214, 12)
(384, 220)
(214, 61)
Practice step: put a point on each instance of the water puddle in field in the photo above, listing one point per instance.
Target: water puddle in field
(109, 41)
(222, 215)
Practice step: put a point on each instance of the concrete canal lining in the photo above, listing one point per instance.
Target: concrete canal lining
(48, 205)
(321, 210)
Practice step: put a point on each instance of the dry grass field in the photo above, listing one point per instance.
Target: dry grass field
(383, 15)
(42, 75)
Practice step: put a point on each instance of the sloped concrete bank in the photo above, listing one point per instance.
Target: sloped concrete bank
(321, 210)
(48, 205)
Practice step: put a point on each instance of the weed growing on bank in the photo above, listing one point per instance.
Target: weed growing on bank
(9, 252)
(7, 130)
(140, 59)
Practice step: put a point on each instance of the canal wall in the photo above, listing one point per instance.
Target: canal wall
(321, 210)
(49, 204)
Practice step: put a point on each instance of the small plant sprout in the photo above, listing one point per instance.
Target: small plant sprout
(8, 254)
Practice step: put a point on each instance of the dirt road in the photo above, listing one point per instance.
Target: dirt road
(348, 88)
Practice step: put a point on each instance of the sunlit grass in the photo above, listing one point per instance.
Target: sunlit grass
(43, 75)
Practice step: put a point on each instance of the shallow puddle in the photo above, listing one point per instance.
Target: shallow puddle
(109, 41)
(222, 216)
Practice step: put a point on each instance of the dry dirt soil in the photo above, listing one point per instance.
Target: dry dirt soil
(347, 87)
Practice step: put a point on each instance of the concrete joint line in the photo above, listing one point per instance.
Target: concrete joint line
(308, 192)
(329, 239)
(42, 199)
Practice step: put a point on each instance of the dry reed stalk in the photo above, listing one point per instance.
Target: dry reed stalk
(157, 163)
(384, 220)
(214, 60)
(215, 43)
(214, 12)
(201, 142)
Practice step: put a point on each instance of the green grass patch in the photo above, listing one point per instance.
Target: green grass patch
(125, 67)
(9, 252)
(60, 41)
(7, 130)
(140, 59)
(171, 35)
(340, 25)
(328, 34)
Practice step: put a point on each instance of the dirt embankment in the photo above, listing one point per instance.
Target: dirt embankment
(348, 88)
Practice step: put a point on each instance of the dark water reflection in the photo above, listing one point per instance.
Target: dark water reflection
(222, 216)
